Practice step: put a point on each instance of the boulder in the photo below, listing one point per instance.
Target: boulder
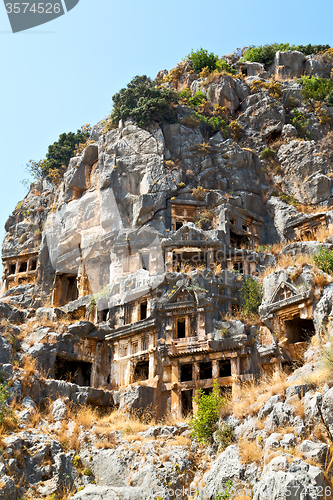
(316, 451)
(137, 399)
(288, 64)
(282, 480)
(59, 410)
(327, 409)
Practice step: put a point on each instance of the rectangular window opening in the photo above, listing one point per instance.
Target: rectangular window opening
(224, 368)
(23, 267)
(181, 328)
(145, 261)
(205, 370)
(187, 402)
(186, 373)
(143, 310)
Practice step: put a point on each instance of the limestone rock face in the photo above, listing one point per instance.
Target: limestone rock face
(227, 92)
(289, 64)
(305, 172)
(262, 115)
(281, 478)
(124, 292)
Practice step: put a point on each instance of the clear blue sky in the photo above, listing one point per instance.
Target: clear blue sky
(58, 76)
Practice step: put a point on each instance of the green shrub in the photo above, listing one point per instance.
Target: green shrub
(196, 100)
(5, 411)
(287, 198)
(227, 492)
(329, 98)
(202, 59)
(251, 296)
(87, 472)
(324, 260)
(58, 156)
(315, 87)
(224, 436)
(222, 65)
(144, 102)
(265, 53)
(300, 122)
(203, 424)
(267, 153)
(310, 49)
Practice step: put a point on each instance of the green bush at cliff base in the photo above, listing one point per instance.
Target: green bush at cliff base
(251, 296)
(142, 101)
(204, 422)
(324, 260)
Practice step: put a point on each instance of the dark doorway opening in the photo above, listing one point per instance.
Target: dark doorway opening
(238, 267)
(181, 328)
(244, 71)
(77, 372)
(145, 261)
(186, 402)
(178, 225)
(23, 267)
(238, 240)
(33, 265)
(12, 268)
(143, 310)
(299, 330)
(205, 370)
(186, 373)
(141, 371)
(67, 289)
(104, 315)
(224, 368)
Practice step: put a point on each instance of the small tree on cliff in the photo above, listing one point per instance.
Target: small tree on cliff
(144, 102)
(204, 422)
(58, 156)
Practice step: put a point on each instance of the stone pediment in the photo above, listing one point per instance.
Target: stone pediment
(180, 296)
(189, 233)
(284, 291)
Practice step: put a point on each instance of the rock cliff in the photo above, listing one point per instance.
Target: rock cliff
(193, 249)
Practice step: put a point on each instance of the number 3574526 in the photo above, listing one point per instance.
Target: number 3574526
(36, 8)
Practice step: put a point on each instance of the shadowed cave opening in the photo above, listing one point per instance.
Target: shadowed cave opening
(77, 372)
(186, 372)
(141, 371)
(299, 330)
(186, 402)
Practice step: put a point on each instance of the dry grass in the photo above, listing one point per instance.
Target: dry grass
(256, 391)
(180, 441)
(84, 416)
(318, 377)
(249, 451)
(298, 408)
(105, 444)
(286, 261)
(241, 496)
(320, 279)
